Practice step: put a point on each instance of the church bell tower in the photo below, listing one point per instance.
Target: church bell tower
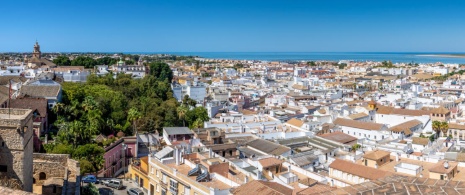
(36, 53)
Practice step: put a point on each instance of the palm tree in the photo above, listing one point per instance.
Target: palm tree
(134, 115)
(198, 123)
(436, 127)
(110, 124)
(59, 107)
(77, 130)
(95, 121)
(182, 114)
(89, 104)
(444, 127)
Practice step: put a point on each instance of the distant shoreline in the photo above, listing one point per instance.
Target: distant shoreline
(444, 55)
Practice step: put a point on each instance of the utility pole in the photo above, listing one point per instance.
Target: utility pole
(124, 159)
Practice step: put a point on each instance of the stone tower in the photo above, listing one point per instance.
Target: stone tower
(36, 53)
(16, 148)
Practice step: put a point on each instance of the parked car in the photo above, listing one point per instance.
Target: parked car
(104, 182)
(89, 179)
(135, 191)
(115, 183)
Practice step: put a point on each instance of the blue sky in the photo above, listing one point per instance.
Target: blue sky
(234, 26)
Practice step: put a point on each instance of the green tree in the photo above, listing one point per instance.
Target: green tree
(106, 61)
(355, 147)
(90, 189)
(161, 71)
(182, 114)
(134, 115)
(62, 61)
(92, 153)
(85, 61)
(436, 127)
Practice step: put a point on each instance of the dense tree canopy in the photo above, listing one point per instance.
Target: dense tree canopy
(107, 105)
(87, 62)
(62, 61)
(161, 71)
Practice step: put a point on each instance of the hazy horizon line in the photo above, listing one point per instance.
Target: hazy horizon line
(174, 52)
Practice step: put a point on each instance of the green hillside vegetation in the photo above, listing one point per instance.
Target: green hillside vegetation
(105, 105)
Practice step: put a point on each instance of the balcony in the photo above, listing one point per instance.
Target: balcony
(138, 168)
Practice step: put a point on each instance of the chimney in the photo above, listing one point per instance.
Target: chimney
(289, 170)
(176, 155)
(210, 153)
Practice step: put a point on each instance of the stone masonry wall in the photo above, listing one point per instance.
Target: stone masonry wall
(16, 146)
(52, 165)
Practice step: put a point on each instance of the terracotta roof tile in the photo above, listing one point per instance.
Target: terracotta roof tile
(268, 162)
(358, 170)
(406, 126)
(376, 155)
(295, 122)
(420, 141)
(339, 137)
(358, 124)
(439, 167)
(258, 187)
(440, 110)
(39, 104)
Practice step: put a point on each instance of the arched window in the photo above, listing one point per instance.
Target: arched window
(42, 176)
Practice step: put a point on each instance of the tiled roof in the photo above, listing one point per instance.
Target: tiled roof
(295, 122)
(439, 167)
(39, 104)
(358, 170)
(376, 155)
(406, 126)
(358, 115)
(41, 91)
(358, 124)
(456, 126)
(67, 68)
(420, 141)
(339, 137)
(397, 184)
(16, 79)
(440, 110)
(268, 147)
(271, 161)
(316, 189)
(397, 111)
(322, 111)
(258, 187)
(177, 130)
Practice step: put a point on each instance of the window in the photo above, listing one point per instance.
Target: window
(3, 168)
(173, 186)
(151, 170)
(156, 173)
(158, 188)
(164, 178)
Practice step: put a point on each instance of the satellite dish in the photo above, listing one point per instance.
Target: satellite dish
(446, 165)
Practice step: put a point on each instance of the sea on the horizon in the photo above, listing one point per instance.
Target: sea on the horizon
(330, 56)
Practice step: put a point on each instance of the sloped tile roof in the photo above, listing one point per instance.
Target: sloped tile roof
(358, 124)
(295, 122)
(358, 170)
(40, 91)
(39, 104)
(258, 187)
(376, 155)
